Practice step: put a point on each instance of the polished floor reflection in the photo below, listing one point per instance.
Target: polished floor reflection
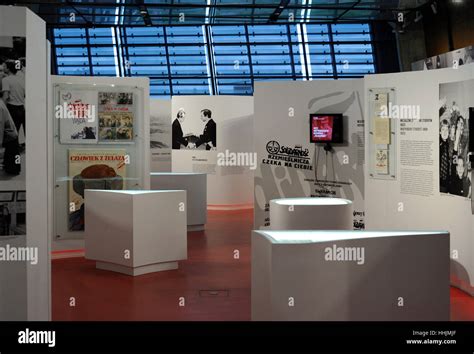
(213, 284)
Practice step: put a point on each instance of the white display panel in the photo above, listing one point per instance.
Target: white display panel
(25, 291)
(382, 146)
(414, 200)
(115, 104)
(289, 165)
(228, 185)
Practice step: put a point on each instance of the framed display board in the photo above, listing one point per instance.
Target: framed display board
(382, 134)
(101, 141)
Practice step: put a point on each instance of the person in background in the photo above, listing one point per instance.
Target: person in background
(460, 142)
(177, 132)
(208, 136)
(2, 73)
(444, 160)
(13, 87)
(22, 71)
(460, 183)
(6, 220)
(9, 140)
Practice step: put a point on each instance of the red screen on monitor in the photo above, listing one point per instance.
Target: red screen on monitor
(322, 128)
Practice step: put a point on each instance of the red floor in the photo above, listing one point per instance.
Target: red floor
(214, 285)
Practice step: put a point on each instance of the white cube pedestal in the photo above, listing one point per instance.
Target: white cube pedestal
(135, 232)
(195, 185)
(311, 214)
(350, 276)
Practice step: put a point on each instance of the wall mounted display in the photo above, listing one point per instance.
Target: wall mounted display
(456, 103)
(326, 128)
(195, 130)
(290, 165)
(77, 112)
(92, 169)
(382, 117)
(116, 116)
(208, 133)
(436, 105)
(118, 156)
(88, 117)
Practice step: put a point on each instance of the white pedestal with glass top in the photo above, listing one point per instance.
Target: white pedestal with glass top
(311, 214)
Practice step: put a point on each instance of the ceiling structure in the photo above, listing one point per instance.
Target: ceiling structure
(106, 13)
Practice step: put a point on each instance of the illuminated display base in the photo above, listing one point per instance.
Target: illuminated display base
(350, 276)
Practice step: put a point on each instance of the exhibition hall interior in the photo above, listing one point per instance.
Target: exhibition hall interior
(222, 160)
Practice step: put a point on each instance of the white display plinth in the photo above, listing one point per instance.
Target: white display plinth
(383, 276)
(135, 232)
(195, 184)
(311, 214)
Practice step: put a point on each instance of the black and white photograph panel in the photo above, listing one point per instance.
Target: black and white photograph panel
(198, 132)
(12, 108)
(456, 106)
(12, 213)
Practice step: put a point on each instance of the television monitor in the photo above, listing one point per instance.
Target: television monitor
(326, 128)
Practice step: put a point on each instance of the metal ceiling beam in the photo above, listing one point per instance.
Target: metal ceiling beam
(177, 24)
(280, 8)
(98, 4)
(69, 4)
(346, 11)
(376, 11)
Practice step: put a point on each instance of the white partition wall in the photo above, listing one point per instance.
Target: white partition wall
(289, 165)
(25, 286)
(128, 155)
(229, 185)
(416, 198)
(160, 135)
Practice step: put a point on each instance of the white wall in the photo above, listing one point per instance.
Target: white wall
(26, 288)
(435, 212)
(230, 186)
(282, 112)
(160, 135)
